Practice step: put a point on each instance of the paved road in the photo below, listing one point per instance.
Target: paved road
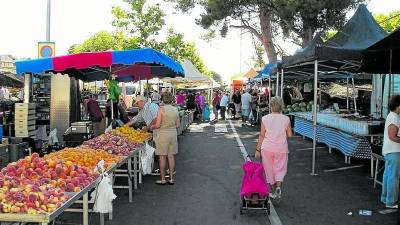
(208, 183)
(328, 197)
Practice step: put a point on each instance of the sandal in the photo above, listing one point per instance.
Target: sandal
(161, 182)
(171, 182)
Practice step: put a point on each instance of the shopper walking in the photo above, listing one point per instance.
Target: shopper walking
(272, 146)
(216, 101)
(166, 137)
(223, 104)
(246, 107)
(391, 153)
(237, 100)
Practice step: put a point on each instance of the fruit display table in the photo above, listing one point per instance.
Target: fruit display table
(46, 218)
(59, 175)
(186, 120)
(351, 145)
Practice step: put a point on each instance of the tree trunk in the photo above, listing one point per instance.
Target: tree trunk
(306, 36)
(266, 34)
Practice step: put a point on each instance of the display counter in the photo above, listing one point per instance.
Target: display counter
(353, 138)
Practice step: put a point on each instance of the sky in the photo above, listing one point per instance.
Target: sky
(72, 21)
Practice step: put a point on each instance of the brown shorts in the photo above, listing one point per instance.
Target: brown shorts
(166, 142)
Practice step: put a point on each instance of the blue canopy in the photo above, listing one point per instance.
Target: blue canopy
(90, 66)
(266, 71)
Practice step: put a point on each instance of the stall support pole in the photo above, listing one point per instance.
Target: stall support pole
(27, 87)
(269, 93)
(390, 73)
(277, 84)
(347, 94)
(315, 117)
(281, 83)
(354, 95)
(86, 209)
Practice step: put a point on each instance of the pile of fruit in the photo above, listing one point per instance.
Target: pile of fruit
(137, 136)
(35, 185)
(113, 144)
(85, 157)
(298, 107)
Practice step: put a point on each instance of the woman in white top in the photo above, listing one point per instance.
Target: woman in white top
(391, 152)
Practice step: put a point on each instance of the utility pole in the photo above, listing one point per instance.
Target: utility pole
(48, 20)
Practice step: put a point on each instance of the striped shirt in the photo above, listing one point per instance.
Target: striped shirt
(147, 114)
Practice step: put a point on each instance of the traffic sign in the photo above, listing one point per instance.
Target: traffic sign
(46, 49)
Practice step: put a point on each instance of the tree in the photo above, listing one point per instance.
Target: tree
(389, 22)
(300, 19)
(139, 21)
(265, 19)
(177, 48)
(101, 41)
(258, 56)
(217, 77)
(138, 28)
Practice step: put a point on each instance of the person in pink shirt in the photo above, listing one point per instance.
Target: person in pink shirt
(272, 146)
(180, 99)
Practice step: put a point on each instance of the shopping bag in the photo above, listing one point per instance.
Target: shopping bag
(103, 194)
(109, 128)
(147, 159)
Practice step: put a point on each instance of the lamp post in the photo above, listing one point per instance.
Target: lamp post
(48, 20)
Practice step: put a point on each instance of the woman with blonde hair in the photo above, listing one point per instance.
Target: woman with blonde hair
(166, 137)
(272, 146)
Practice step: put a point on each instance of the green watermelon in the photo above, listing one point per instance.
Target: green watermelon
(303, 109)
(302, 104)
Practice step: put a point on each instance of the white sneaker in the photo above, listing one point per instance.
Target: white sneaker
(278, 192)
(392, 206)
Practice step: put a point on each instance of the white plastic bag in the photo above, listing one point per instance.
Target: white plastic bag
(147, 159)
(53, 137)
(104, 195)
(41, 133)
(109, 128)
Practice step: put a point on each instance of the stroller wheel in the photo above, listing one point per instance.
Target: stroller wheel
(241, 211)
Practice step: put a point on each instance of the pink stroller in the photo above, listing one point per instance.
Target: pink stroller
(254, 193)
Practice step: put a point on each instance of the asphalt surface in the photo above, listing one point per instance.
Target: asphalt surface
(208, 183)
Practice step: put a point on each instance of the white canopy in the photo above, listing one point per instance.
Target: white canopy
(192, 74)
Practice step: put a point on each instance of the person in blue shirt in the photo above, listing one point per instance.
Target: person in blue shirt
(223, 104)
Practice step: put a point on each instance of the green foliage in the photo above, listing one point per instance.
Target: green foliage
(138, 27)
(101, 41)
(302, 18)
(329, 34)
(297, 19)
(140, 21)
(217, 77)
(389, 22)
(258, 56)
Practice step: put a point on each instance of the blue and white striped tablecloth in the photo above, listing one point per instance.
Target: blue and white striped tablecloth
(349, 145)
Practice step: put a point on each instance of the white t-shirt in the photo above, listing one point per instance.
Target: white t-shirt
(390, 146)
(246, 100)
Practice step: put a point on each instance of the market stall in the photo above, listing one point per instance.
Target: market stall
(123, 66)
(342, 52)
